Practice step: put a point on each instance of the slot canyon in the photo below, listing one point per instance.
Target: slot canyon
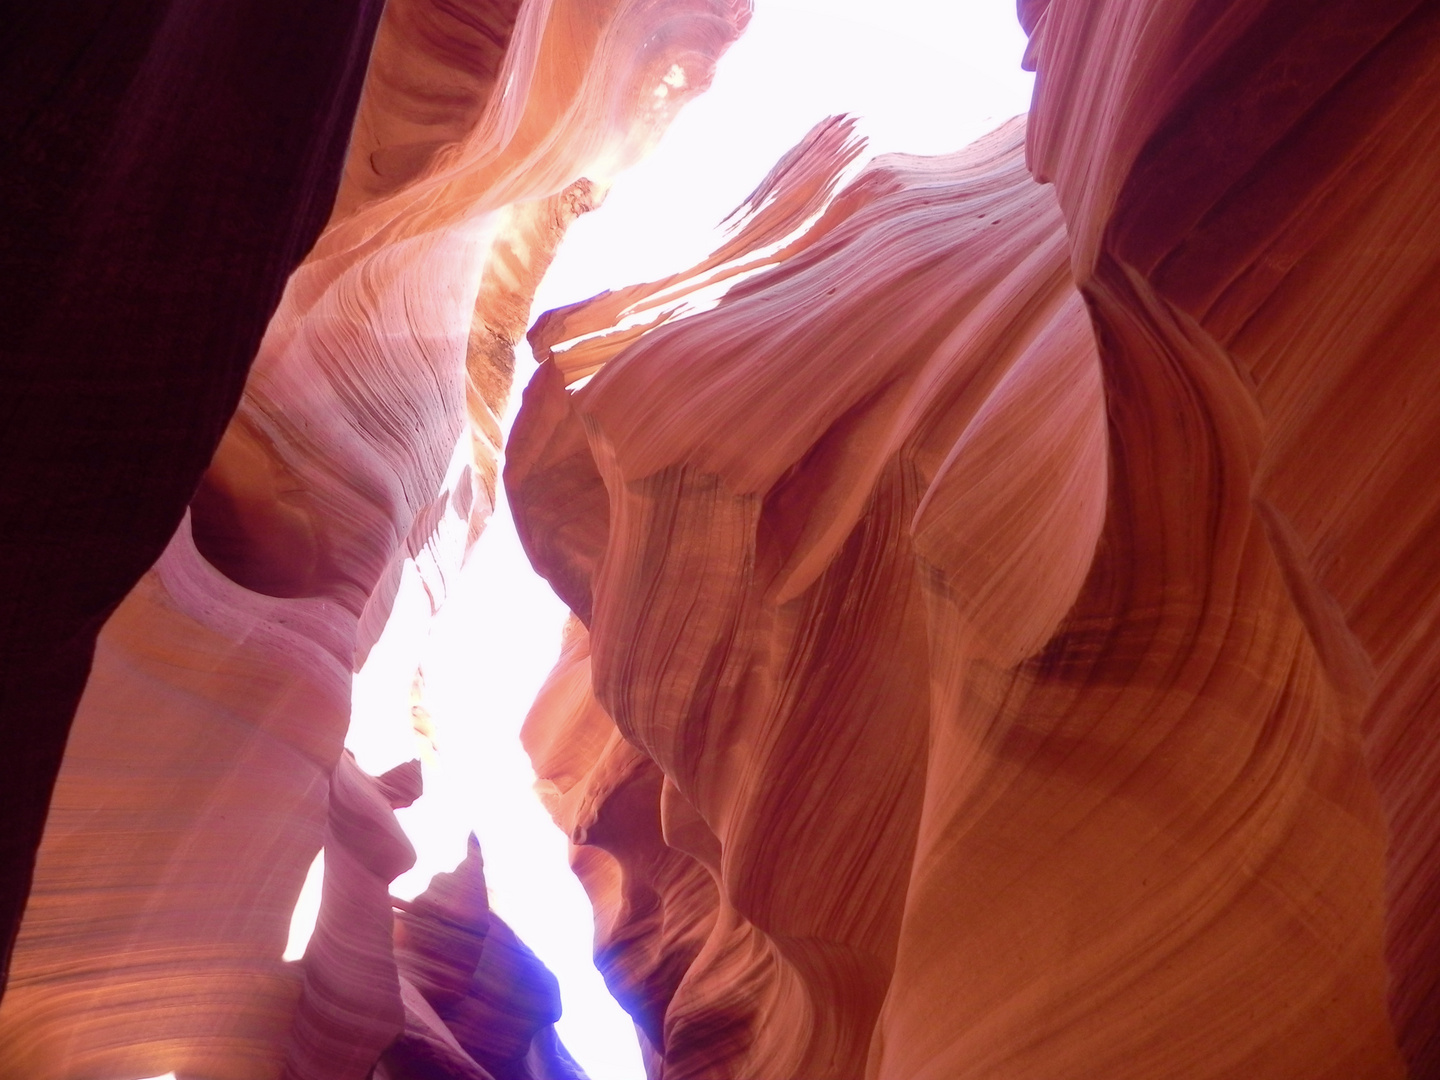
(1003, 585)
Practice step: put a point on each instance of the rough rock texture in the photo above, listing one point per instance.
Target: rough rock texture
(1008, 635)
(204, 768)
(163, 167)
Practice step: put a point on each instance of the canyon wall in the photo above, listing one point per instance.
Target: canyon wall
(163, 168)
(1004, 631)
(1264, 191)
(1005, 636)
(204, 768)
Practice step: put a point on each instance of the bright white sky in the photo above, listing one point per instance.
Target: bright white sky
(925, 76)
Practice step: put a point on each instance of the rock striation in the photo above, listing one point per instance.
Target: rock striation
(1265, 193)
(204, 768)
(1004, 620)
(1004, 589)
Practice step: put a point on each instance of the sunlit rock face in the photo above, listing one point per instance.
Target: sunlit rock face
(204, 769)
(1005, 621)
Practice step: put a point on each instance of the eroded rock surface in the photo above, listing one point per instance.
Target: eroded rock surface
(478, 1004)
(1005, 622)
(1265, 193)
(1007, 616)
(204, 769)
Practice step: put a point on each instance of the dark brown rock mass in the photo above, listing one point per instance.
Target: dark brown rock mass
(163, 168)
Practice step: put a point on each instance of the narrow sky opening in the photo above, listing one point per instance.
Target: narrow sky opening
(923, 76)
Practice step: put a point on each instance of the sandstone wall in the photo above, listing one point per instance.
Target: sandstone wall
(1006, 618)
(204, 768)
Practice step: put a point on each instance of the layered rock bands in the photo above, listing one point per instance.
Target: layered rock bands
(1005, 622)
(1004, 639)
(204, 767)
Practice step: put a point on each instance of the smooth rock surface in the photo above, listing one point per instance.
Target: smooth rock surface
(1266, 192)
(1005, 585)
(204, 769)
(966, 593)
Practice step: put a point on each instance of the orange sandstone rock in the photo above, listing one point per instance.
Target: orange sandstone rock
(655, 903)
(998, 710)
(1254, 187)
(1005, 619)
(164, 166)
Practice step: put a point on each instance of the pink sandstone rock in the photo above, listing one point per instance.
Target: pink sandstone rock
(198, 781)
(1004, 633)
